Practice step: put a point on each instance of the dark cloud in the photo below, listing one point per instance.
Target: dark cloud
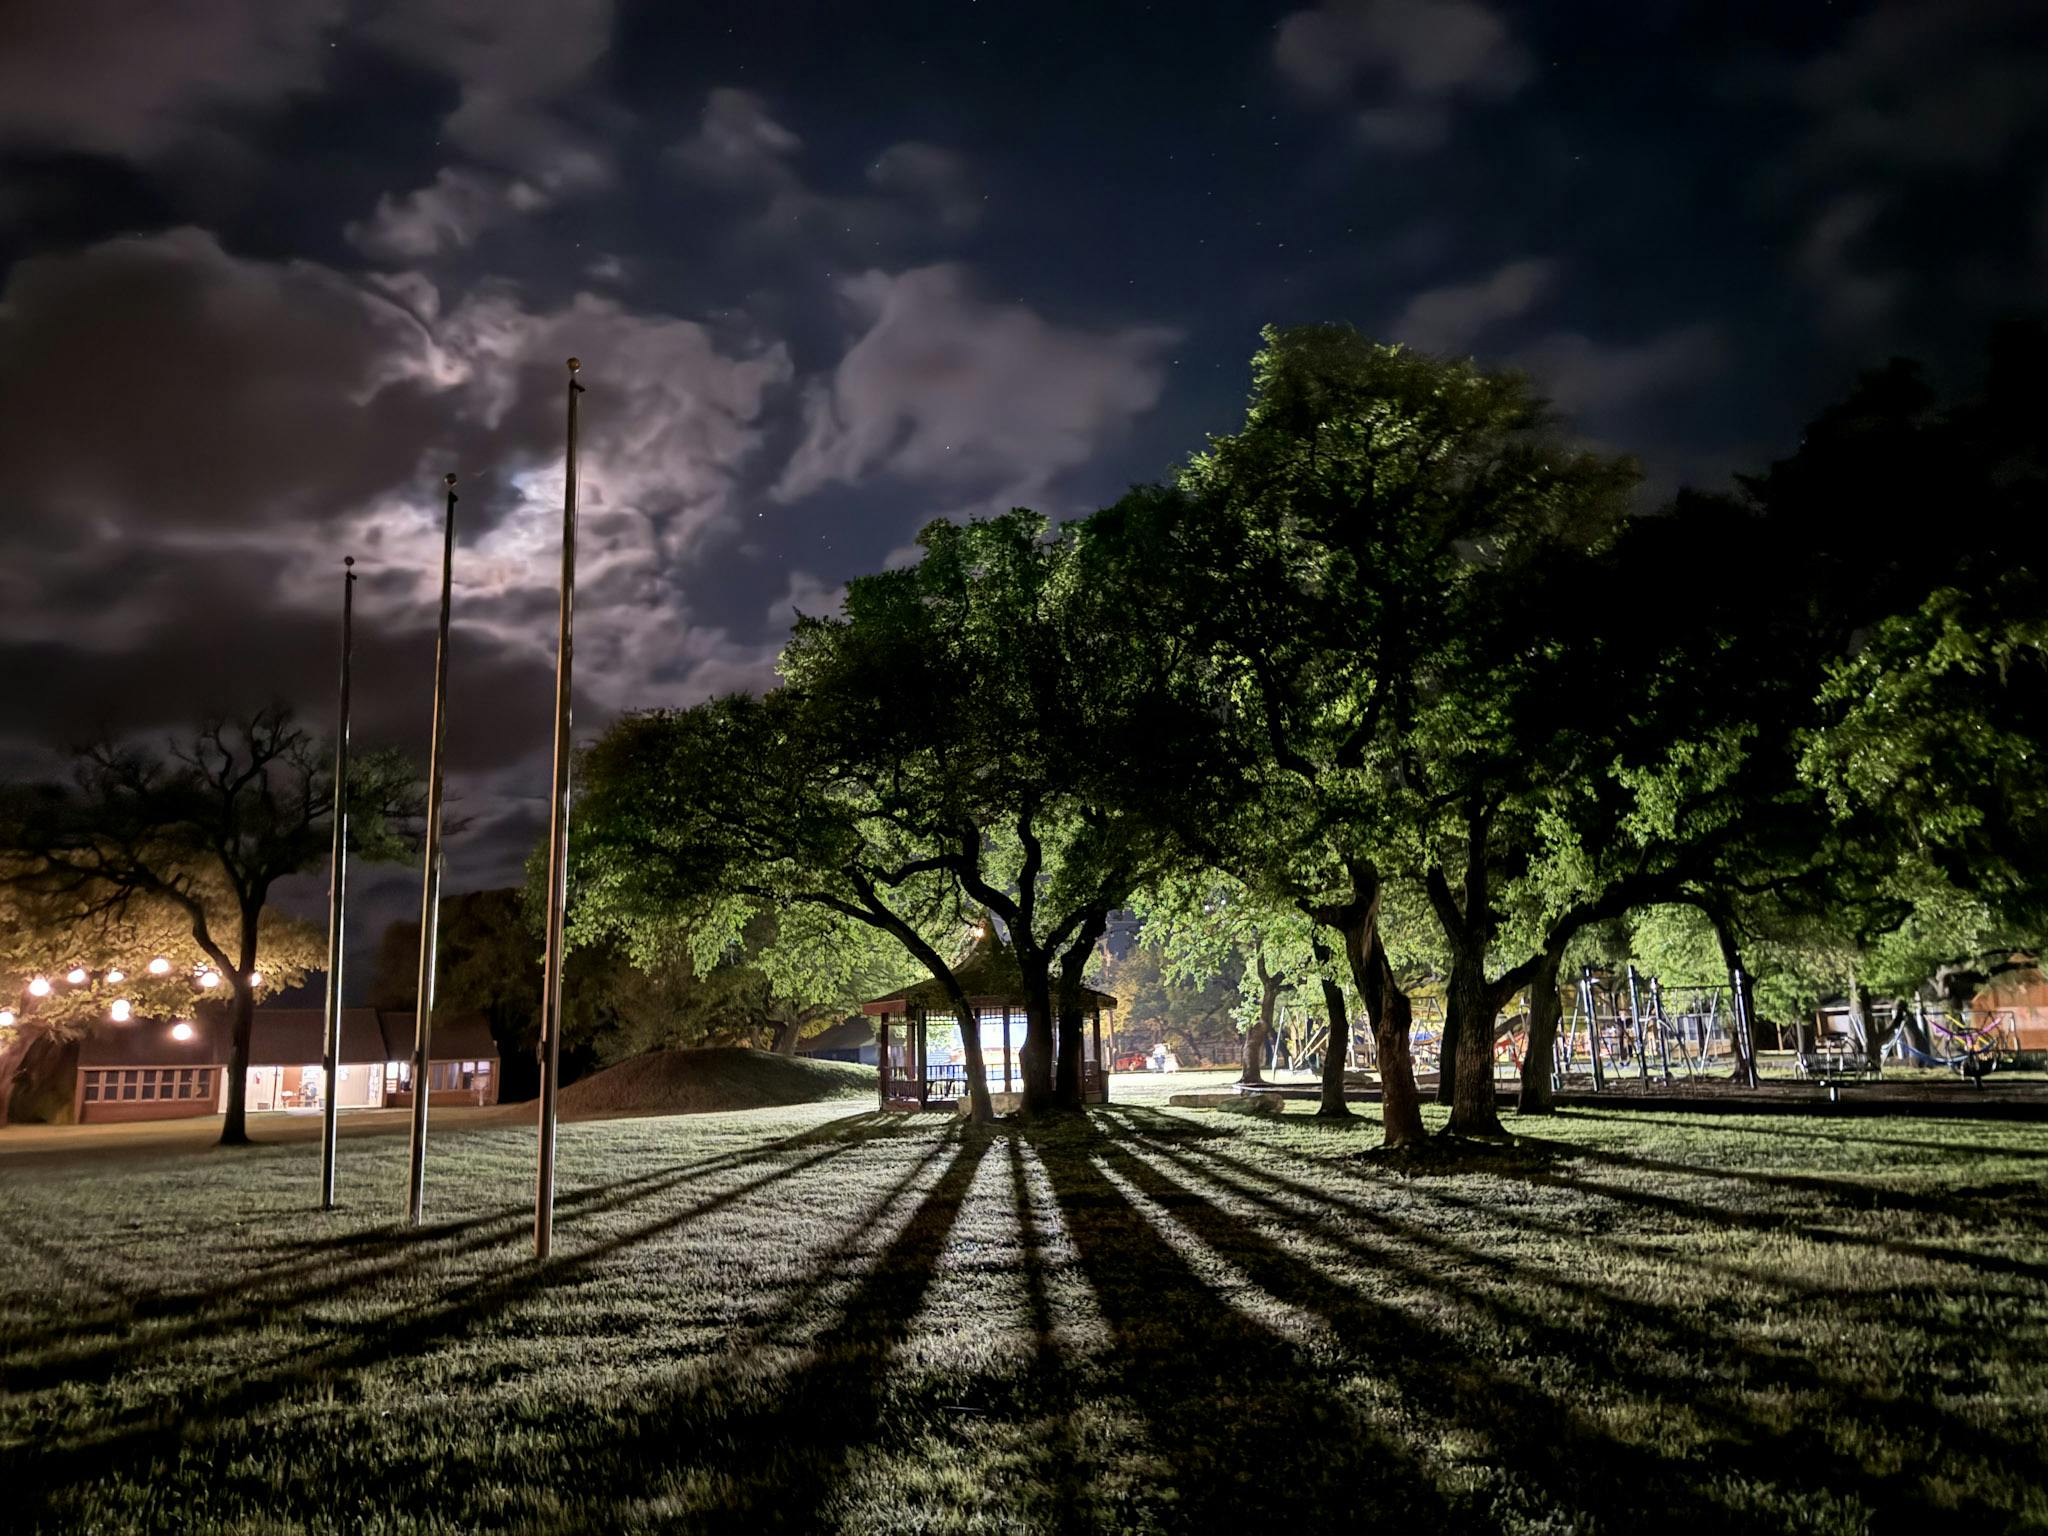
(1402, 64)
(123, 79)
(1451, 318)
(834, 278)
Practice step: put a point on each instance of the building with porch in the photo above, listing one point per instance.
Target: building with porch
(153, 1070)
(922, 1058)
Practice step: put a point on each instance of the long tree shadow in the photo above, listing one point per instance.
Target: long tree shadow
(1555, 1449)
(1259, 1438)
(344, 1263)
(1048, 1381)
(38, 1479)
(1776, 1131)
(1834, 1194)
(748, 1439)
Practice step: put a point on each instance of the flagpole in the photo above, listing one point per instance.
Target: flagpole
(558, 857)
(337, 898)
(430, 895)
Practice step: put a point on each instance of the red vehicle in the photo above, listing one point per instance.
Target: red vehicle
(1132, 1061)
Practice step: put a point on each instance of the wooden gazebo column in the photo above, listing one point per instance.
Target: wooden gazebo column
(882, 1058)
(1101, 1066)
(924, 1076)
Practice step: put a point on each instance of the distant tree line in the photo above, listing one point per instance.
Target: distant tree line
(1392, 689)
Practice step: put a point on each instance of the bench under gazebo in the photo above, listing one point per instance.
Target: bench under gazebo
(923, 1060)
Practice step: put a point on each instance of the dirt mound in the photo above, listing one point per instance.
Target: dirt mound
(718, 1077)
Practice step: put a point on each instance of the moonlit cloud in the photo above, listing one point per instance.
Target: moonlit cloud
(1449, 319)
(965, 395)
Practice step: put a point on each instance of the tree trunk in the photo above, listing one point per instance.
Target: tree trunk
(1035, 1058)
(1545, 1011)
(1468, 1020)
(1260, 1033)
(13, 1053)
(1739, 1009)
(1073, 1016)
(1372, 973)
(1446, 1056)
(786, 1033)
(234, 1131)
(978, 1105)
(1332, 1106)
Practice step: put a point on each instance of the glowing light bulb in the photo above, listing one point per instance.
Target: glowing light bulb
(159, 966)
(116, 977)
(121, 1010)
(6, 1018)
(76, 975)
(181, 1030)
(40, 987)
(255, 978)
(209, 978)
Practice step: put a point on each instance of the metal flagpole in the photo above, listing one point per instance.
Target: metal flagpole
(430, 895)
(558, 856)
(337, 897)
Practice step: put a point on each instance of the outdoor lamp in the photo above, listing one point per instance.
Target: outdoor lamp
(159, 966)
(120, 1010)
(40, 987)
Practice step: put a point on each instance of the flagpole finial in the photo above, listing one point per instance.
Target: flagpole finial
(348, 560)
(450, 478)
(575, 364)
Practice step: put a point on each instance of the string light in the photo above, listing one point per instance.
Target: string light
(121, 1010)
(209, 978)
(6, 1018)
(76, 975)
(255, 978)
(40, 987)
(181, 1030)
(116, 977)
(159, 966)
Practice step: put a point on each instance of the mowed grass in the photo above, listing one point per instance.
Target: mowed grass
(812, 1318)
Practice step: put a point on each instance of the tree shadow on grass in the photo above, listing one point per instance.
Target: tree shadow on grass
(38, 1479)
(1544, 1441)
(1777, 1131)
(344, 1263)
(1258, 1438)
(741, 1441)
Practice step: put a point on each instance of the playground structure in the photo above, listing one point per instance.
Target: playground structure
(1623, 1024)
(1618, 1025)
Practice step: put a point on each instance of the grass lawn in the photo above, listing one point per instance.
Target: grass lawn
(819, 1317)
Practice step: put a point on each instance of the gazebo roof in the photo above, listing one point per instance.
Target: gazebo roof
(988, 975)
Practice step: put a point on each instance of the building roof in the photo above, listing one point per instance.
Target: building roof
(286, 1037)
(988, 974)
(846, 1035)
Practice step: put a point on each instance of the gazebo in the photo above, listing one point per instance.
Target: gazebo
(923, 1059)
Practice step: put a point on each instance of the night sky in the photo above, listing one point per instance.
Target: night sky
(271, 268)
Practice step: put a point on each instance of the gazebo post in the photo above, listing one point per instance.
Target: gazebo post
(1006, 1046)
(924, 1067)
(1101, 1066)
(882, 1058)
